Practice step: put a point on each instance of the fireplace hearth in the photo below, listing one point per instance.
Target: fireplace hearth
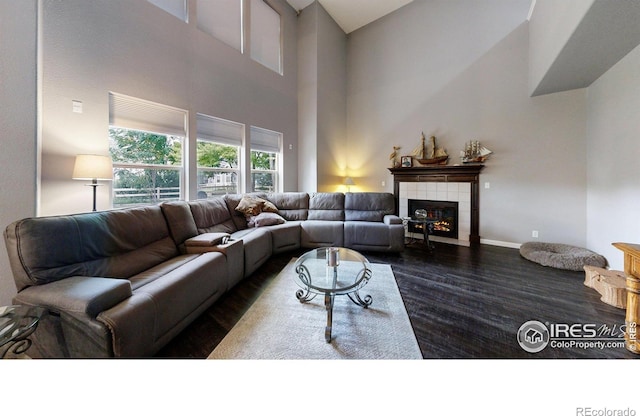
(443, 215)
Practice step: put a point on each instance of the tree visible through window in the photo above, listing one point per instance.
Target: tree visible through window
(147, 167)
(217, 169)
(264, 167)
(266, 151)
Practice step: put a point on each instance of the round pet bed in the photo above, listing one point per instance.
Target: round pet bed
(561, 256)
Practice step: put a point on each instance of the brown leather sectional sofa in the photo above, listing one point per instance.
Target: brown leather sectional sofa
(123, 283)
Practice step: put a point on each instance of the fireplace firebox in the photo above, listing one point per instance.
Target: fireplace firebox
(443, 215)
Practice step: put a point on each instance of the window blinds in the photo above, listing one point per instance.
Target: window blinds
(218, 130)
(222, 19)
(265, 140)
(265, 35)
(136, 114)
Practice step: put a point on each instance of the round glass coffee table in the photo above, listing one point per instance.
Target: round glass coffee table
(17, 323)
(330, 272)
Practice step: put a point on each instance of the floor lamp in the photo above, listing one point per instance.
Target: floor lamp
(348, 181)
(93, 168)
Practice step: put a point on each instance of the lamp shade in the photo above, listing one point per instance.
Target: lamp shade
(90, 167)
(349, 181)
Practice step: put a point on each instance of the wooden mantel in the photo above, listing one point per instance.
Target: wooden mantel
(445, 173)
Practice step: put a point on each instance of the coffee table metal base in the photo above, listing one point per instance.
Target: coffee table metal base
(329, 297)
(329, 300)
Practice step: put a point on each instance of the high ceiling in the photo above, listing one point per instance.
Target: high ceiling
(353, 14)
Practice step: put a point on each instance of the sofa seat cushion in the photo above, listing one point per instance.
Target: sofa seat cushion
(285, 237)
(320, 233)
(373, 236)
(257, 247)
(159, 271)
(158, 310)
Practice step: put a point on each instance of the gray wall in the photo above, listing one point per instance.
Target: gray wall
(613, 170)
(322, 103)
(137, 49)
(459, 70)
(332, 104)
(17, 123)
(308, 98)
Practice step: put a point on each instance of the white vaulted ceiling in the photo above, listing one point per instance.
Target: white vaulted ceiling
(353, 14)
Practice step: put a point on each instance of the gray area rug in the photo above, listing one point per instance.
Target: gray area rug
(278, 326)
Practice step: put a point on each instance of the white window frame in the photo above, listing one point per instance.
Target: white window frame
(264, 140)
(130, 113)
(225, 132)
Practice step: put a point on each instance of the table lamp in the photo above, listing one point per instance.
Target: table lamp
(94, 168)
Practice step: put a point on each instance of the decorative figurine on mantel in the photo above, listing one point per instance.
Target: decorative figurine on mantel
(437, 156)
(474, 152)
(393, 157)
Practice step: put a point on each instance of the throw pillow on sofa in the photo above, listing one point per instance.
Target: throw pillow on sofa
(253, 205)
(264, 219)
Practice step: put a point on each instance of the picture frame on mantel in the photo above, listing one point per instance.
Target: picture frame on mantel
(406, 161)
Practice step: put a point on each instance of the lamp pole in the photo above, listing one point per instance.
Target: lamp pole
(94, 184)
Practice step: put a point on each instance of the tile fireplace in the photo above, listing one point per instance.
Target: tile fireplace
(446, 187)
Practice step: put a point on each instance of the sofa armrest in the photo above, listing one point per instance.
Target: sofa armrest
(78, 294)
(392, 219)
(224, 248)
(207, 240)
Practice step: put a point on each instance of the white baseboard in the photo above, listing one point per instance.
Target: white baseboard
(500, 243)
(449, 240)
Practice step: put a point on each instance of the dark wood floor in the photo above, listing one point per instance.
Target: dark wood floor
(462, 302)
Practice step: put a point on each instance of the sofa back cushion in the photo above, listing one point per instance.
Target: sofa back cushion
(119, 243)
(212, 216)
(368, 206)
(326, 206)
(292, 206)
(180, 221)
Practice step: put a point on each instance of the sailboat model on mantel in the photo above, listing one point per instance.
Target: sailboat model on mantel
(437, 156)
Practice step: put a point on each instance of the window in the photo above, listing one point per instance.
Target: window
(222, 19)
(178, 8)
(218, 153)
(146, 145)
(265, 160)
(266, 36)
